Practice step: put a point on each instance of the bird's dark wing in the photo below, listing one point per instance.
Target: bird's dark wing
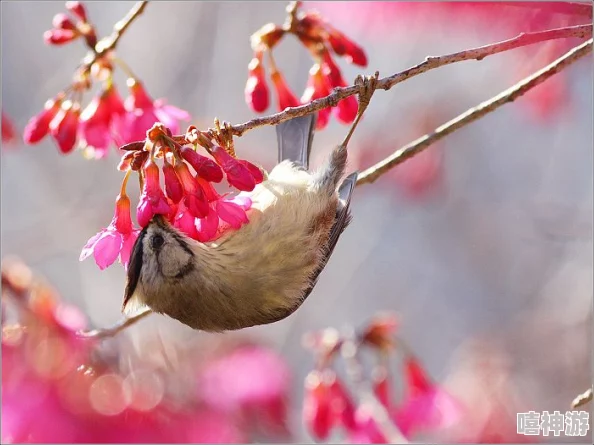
(343, 218)
(294, 139)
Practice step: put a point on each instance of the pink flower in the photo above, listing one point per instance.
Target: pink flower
(185, 221)
(152, 199)
(98, 120)
(143, 113)
(260, 390)
(426, 405)
(207, 227)
(116, 240)
(231, 213)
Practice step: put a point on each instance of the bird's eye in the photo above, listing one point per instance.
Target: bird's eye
(157, 241)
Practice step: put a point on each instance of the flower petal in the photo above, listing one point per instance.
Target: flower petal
(107, 249)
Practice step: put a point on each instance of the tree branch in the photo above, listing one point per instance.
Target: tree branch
(524, 39)
(509, 95)
(109, 43)
(582, 399)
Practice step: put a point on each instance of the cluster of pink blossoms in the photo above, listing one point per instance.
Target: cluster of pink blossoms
(329, 405)
(188, 199)
(106, 119)
(58, 387)
(320, 39)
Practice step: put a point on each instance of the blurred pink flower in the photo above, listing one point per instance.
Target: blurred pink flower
(260, 388)
(426, 405)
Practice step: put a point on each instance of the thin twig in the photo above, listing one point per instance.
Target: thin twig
(524, 39)
(109, 43)
(582, 399)
(115, 329)
(509, 95)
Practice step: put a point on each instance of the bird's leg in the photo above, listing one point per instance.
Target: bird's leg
(367, 87)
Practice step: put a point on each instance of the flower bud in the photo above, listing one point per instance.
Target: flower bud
(62, 21)
(64, 126)
(152, 199)
(342, 46)
(254, 171)
(59, 36)
(238, 175)
(286, 98)
(317, 407)
(8, 131)
(122, 219)
(342, 405)
(173, 186)
(267, 36)
(78, 9)
(38, 126)
(205, 167)
(316, 88)
(256, 90)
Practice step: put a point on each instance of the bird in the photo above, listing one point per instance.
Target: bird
(262, 272)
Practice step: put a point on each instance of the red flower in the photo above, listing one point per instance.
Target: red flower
(205, 167)
(256, 89)
(342, 46)
(64, 126)
(286, 98)
(60, 36)
(194, 198)
(240, 174)
(173, 186)
(8, 131)
(97, 120)
(78, 9)
(317, 88)
(152, 199)
(38, 126)
(425, 404)
(317, 406)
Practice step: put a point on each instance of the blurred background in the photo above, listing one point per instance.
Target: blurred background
(482, 245)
